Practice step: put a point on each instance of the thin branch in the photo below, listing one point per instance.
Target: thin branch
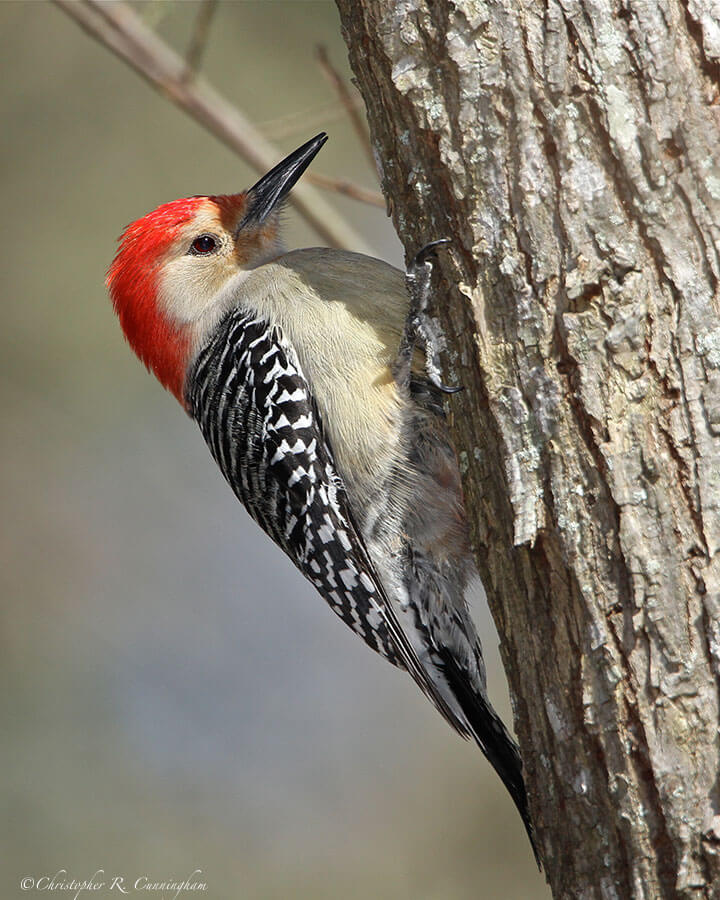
(351, 108)
(198, 39)
(120, 29)
(302, 120)
(349, 189)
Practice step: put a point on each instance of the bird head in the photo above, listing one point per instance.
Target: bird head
(174, 266)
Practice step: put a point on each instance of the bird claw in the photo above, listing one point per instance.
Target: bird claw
(429, 251)
(448, 388)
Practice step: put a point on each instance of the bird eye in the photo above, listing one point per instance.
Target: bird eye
(203, 245)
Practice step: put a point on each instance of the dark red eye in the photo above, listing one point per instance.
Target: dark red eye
(206, 243)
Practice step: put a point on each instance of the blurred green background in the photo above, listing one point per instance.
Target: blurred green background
(175, 696)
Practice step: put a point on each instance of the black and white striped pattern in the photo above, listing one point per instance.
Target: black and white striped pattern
(255, 410)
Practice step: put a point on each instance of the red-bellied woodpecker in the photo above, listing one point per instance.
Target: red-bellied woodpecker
(302, 372)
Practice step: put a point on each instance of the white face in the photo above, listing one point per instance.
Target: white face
(204, 258)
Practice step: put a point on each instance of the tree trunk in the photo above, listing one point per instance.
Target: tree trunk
(568, 150)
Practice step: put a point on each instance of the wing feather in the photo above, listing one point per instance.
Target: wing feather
(255, 408)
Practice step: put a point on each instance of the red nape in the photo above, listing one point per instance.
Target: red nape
(132, 280)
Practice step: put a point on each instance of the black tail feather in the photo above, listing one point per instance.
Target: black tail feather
(493, 739)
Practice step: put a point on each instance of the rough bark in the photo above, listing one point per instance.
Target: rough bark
(569, 150)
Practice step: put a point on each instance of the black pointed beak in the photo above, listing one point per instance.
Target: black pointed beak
(274, 187)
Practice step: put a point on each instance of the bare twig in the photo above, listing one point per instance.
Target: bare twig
(349, 189)
(120, 29)
(351, 108)
(302, 120)
(198, 39)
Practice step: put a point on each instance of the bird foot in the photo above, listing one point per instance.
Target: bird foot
(419, 327)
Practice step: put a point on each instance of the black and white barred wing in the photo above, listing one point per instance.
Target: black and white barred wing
(256, 411)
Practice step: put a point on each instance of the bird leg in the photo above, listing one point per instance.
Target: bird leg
(419, 327)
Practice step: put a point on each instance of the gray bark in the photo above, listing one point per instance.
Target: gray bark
(569, 150)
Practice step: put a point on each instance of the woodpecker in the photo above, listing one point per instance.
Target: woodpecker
(313, 375)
